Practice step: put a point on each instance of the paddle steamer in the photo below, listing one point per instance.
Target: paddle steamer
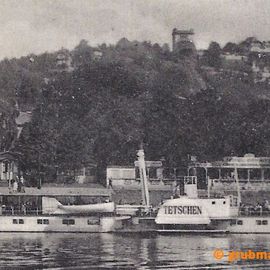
(246, 176)
(187, 213)
(213, 211)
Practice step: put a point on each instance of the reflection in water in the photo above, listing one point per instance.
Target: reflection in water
(114, 251)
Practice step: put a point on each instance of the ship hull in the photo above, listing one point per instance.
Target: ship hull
(91, 224)
(213, 227)
(250, 225)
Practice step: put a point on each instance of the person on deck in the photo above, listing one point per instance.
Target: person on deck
(12, 181)
(266, 205)
(15, 186)
(258, 209)
(19, 186)
(22, 180)
(24, 209)
(12, 209)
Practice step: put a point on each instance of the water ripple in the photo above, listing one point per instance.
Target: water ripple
(108, 251)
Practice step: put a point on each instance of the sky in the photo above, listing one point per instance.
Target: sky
(36, 26)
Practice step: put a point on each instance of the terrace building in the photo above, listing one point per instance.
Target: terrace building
(253, 173)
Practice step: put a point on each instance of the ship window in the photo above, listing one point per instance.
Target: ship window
(42, 221)
(68, 221)
(258, 222)
(65, 221)
(71, 221)
(224, 202)
(265, 222)
(18, 221)
(93, 222)
(233, 222)
(21, 221)
(239, 222)
(213, 202)
(45, 221)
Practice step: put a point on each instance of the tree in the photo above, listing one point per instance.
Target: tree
(82, 54)
(230, 48)
(212, 55)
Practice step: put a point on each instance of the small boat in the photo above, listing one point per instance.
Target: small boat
(52, 206)
(89, 208)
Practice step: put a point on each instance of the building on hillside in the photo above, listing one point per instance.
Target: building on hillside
(260, 47)
(97, 54)
(201, 53)
(9, 167)
(21, 120)
(64, 61)
(234, 57)
(260, 57)
(129, 176)
(86, 174)
(261, 73)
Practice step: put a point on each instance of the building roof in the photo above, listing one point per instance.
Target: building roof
(260, 49)
(119, 167)
(181, 32)
(248, 161)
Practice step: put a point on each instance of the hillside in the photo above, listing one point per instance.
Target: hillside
(97, 105)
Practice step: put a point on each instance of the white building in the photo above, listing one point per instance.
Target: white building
(128, 176)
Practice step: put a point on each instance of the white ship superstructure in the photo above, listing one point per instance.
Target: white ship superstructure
(190, 213)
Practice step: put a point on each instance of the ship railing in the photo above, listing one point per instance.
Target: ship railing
(254, 212)
(137, 210)
(27, 212)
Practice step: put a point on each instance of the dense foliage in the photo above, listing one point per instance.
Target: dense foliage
(103, 103)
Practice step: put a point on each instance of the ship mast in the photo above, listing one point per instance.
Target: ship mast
(143, 178)
(237, 185)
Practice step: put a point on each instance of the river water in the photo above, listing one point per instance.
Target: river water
(116, 251)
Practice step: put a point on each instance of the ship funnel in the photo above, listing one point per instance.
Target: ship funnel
(190, 187)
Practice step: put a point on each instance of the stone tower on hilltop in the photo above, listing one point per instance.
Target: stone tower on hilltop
(182, 42)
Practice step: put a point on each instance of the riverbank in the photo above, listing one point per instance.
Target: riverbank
(122, 196)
